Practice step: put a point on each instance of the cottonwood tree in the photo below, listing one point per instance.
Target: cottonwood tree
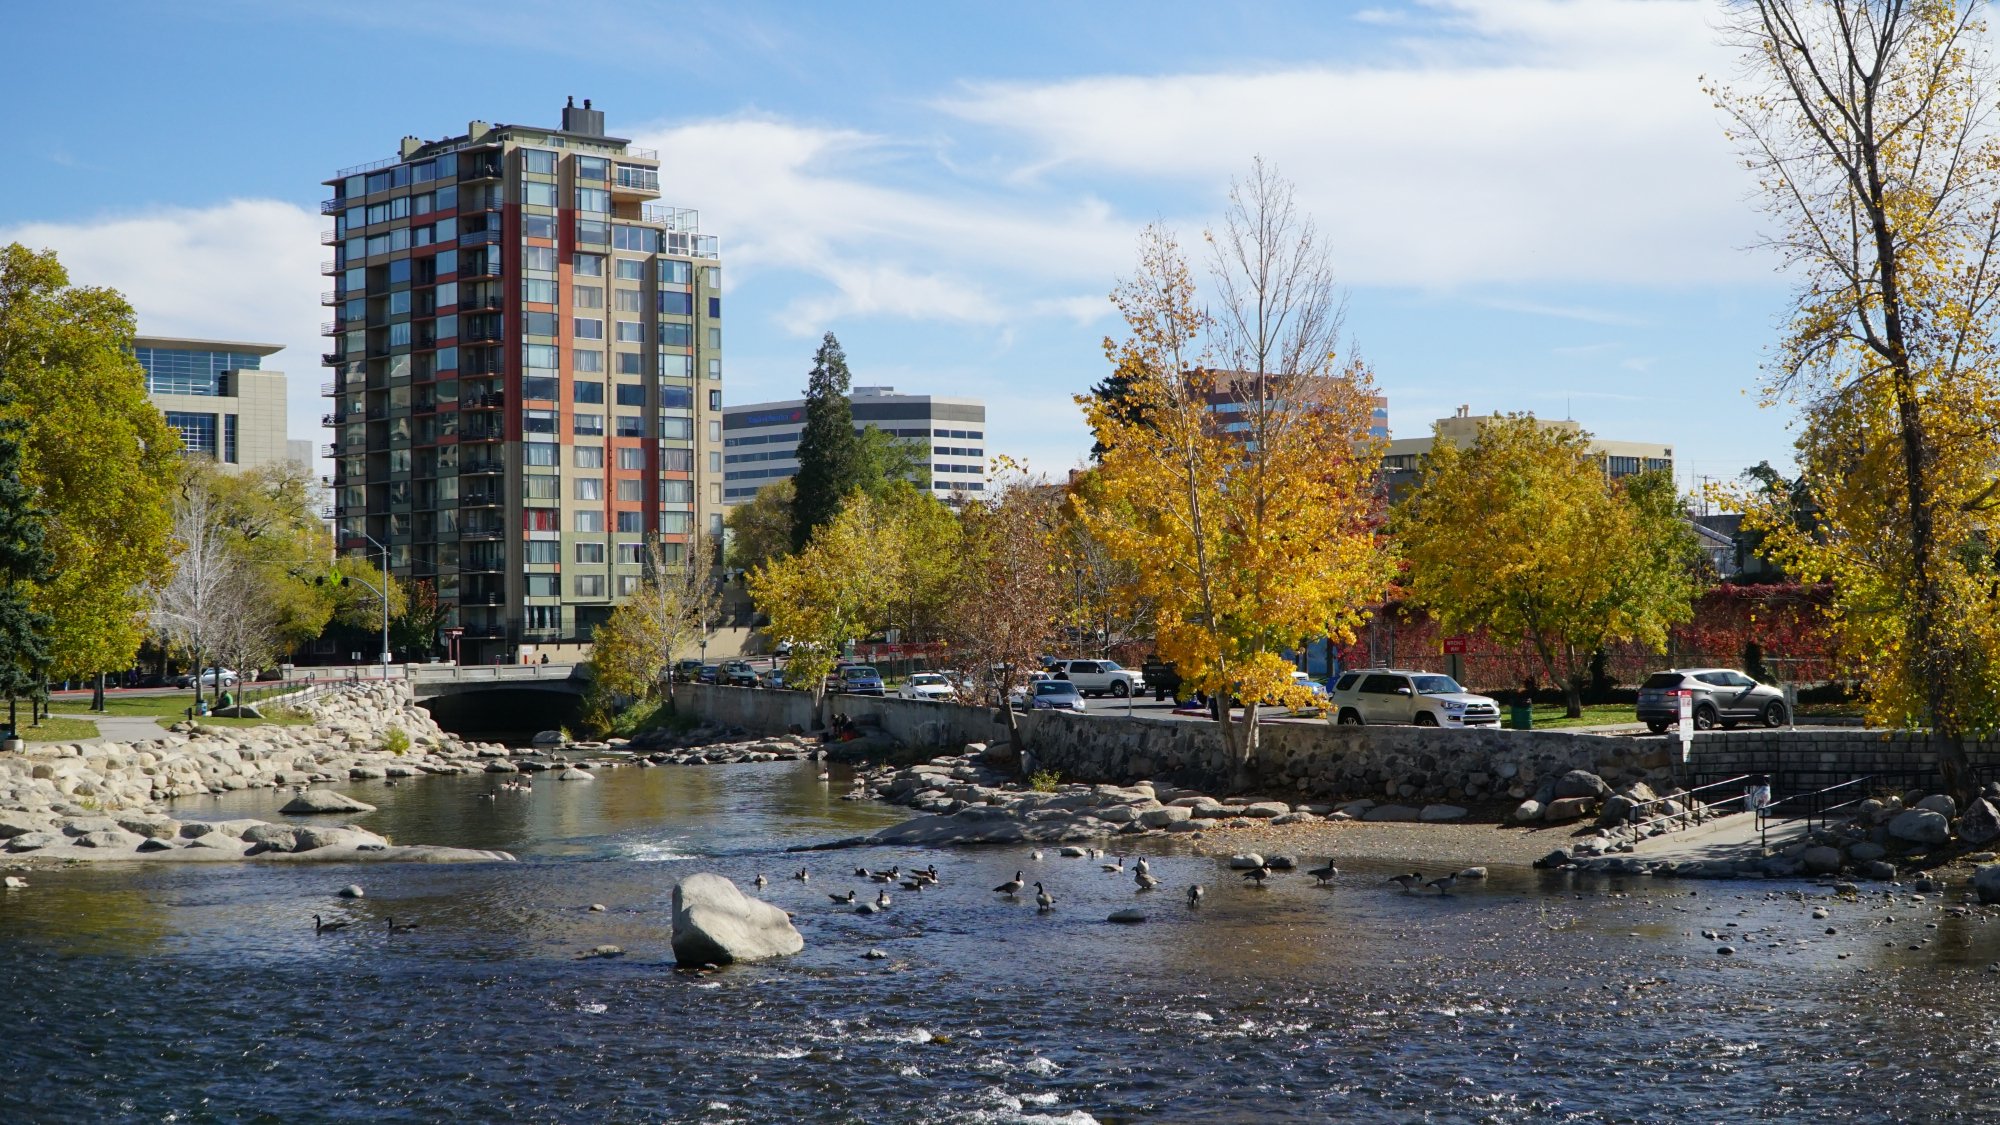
(1238, 469)
(1101, 592)
(96, 454)
(824, 596)
(1871, 128)
(24, 558)
(1522, 534)
(670, 612)
(1003, 617)
(191, 610)
(761, 530)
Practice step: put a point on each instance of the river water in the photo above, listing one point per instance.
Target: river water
(200, 993)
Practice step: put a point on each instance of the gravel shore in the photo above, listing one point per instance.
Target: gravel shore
(1458, 844)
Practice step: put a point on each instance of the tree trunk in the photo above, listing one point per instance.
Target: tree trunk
(97, 694)
(1572, 698)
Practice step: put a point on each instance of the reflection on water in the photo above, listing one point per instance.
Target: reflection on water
(202, 993)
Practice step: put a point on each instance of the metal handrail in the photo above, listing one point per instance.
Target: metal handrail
(1816, 810)
(1687, 801)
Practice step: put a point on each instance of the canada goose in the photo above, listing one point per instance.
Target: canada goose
(846, 898)
(404, 928)
(1325, 874)
(1259, 874)
(826, 775)
(1146, 882)
(1194, 895)
(1044, 901)
(1115, 868)
(1012, 886)
(1142, 867)
(803, 875)
(760, 880)
(882, 900)
(914, 884)
(861, 872)
(888, 876)
(1444, 884)
(1407, 881)
(320, 927)
(1036, 854)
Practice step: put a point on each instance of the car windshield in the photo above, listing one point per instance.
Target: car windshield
(1660, 680)
(1436, 685)
(927, 681)
(1054, 687)
(860, 673)
(1108, 666)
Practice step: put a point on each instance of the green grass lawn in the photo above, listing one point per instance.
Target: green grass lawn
(1552, 717)
(168, 708)
(54, 729)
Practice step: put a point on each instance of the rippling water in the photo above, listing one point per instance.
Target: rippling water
(201, 993)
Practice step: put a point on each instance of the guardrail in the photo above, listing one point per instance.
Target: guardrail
(1692, 810)
(1815, 804)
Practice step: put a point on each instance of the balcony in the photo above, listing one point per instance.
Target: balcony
(330, 297)
(482, 498)
(485, 632)
(331, 206)
(492, 400)
(482, 533)
(478, 468)
(483, 167)
(329, 238)
(482, 433)
(328, 390)
(479, 238)
(328, 512)
(330, 328)
(330, 449)
(635, 183)
(482, 599)
(329, 267)
(329, 420)
(480, 333)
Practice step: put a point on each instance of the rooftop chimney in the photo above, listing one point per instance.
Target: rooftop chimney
(587, 121)
(410, 145)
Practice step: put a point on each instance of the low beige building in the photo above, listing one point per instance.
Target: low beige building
(1619, 458)
(218, 395)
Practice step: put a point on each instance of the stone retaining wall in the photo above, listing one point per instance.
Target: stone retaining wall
(1800, 761)
(912, 722)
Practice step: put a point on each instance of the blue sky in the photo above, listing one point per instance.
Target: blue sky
(1532, 202)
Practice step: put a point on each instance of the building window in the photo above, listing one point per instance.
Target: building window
(676, 273)
(589, 265)
(715, 339)
(540, 486)
(630, 458)
(677, 398)
(588, 328)
(589, 456)
(712, 276)
(628, 300)
(538, 195)
(628, 584)
(538, 293)
(586, 391)
(715, 462)
(673, 335)
(629, 270)
(544, 585)
(588, 425)
(676, 492)
(544, 618)
(631, 554)
(676, 429)
(588, 296)
(538, 160)
(590, 552)
(538, 421)
(536, 226)
(631, 490)
(591, 232)
(631, 363)
(631, 394)
(715, 369)
(541, 552)
(631, 332)
(592, 168)
(583, 361)
(590, 521)
(588, 585)
(715, 431)
(540, 388)
(540, 454)
(229, 438)
(539, 323)
(541, 519)
(589, 488)
(677, 304)
(198, 432)
(538, 258)
(631, 522)
(715, 400)
(593, 199)
(631, 425)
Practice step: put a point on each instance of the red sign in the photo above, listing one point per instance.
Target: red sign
(1454, 646)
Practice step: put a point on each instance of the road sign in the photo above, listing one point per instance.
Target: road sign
(1687, 722)
(1454, 646)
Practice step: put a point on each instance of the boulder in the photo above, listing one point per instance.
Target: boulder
(1865, 852)
(15, 823)
(1980, 824)
(272, 837)
(1581, 783)
(1127, 916)
(1528, 812)
(1265, 810)
(1282, 862)
(109, 838)
(1920, 826)
(34, 841)
(315, 801)
(1557, 858)
(1394, 812)
(1941, 804)
(1821, 860)
(1164, 816)
(571, 773)
(1473, 873)
(1569, 808)
(1435, 813)
(1246, 861)
(1986, 883)
(716, 924)
(1879, 869)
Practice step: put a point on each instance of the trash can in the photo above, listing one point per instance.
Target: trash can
(1524, 717)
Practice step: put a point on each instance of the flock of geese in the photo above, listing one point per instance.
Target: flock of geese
(1045, 901)
(390, 925)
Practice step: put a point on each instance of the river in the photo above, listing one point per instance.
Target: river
(197, 993)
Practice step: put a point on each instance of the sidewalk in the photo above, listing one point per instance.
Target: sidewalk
(118, 728)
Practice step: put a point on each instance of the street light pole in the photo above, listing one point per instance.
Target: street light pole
(383, 595)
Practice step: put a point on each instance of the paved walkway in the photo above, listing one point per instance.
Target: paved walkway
(1729, 837)
(118, 728)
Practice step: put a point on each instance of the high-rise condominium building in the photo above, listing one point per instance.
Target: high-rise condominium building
(761, 439)
(527, 358)
(227, 408)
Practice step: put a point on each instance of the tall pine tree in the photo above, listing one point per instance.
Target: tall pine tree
(830, 455)
(24, 558)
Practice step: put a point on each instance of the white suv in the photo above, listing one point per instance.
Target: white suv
(1398, 695)
(1098, 677)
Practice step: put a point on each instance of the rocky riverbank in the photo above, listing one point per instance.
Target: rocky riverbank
(106, 800)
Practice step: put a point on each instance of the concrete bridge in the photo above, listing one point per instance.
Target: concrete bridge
(434, 681)
(499, 699)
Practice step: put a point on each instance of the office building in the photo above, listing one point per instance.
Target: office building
(527, 375)
(1619, 458)
(760, 442)
(227, 408)
(1234, 391)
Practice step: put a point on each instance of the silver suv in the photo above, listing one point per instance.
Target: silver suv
(1399, 695)
(1722, 696)
(1098, 677)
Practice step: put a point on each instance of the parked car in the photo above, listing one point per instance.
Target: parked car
(927, 685)
(1402, 695)
(687, 671)
(208, 678)
(1055, 695)
(1018, 695)
(1098, 677)
(771, 678)
(784, 649)
(1162, 678)
(860, 679)
(738, 673)
(1300, 679)
(1722, 696)
(710, 674)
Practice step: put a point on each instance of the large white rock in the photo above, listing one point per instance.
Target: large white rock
(324, 801)
(1920, 826)
(715, 924)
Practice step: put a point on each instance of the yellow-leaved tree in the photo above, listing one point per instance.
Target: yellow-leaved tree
(1522, 534)
(825, 595)
(1872, 130)
(1237, 472)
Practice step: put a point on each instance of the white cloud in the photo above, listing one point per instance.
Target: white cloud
(243, 270)
(1505, 142)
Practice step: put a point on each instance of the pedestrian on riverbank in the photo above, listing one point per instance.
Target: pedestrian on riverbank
(1758, 795)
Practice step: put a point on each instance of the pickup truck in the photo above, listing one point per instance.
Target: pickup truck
(1098, 677)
